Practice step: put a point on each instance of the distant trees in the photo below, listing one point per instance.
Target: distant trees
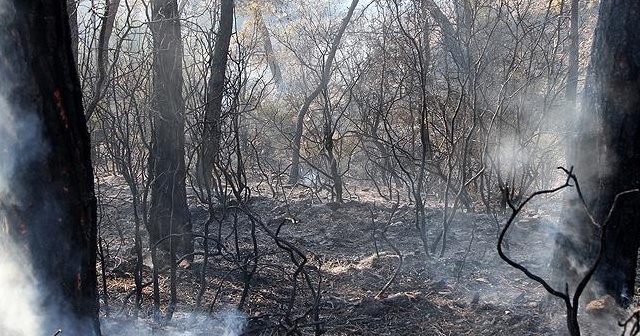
(49, 208)
(324, 74)
(456, 100)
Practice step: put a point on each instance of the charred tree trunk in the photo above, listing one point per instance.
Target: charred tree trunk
(616, 62)
(613, 97)
(168, 214)
(328, 143)
(212, 129)
(47, 203)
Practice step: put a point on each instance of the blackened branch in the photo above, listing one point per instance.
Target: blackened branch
(571, 302)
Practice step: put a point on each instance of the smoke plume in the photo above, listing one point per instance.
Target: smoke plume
(19, 294)
(18, 287)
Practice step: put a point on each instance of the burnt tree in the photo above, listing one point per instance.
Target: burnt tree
(616, 62)
(294, 173)
(169, 222)
(607, 156)
(211, 133)
(47, 203)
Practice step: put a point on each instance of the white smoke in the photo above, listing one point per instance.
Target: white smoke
(230, 322)
(20, 144)
(18, 292)
(226, 322)
(18, 286)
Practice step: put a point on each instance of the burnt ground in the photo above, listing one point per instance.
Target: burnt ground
(467, 291)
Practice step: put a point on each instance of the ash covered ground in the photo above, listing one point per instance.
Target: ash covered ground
(382, 286)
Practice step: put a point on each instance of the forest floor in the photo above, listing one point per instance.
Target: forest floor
(468, 290)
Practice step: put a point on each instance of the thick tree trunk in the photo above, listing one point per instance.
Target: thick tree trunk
(616, 60)
(47, 204)
(168, 213)
(211, 136)
(614, 99)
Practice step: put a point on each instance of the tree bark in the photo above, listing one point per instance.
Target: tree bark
(168, 213)
(47, 205)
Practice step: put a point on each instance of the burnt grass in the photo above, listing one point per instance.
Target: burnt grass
(364, 286)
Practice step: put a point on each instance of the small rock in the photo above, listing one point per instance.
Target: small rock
(399, 299)
(602, 305)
